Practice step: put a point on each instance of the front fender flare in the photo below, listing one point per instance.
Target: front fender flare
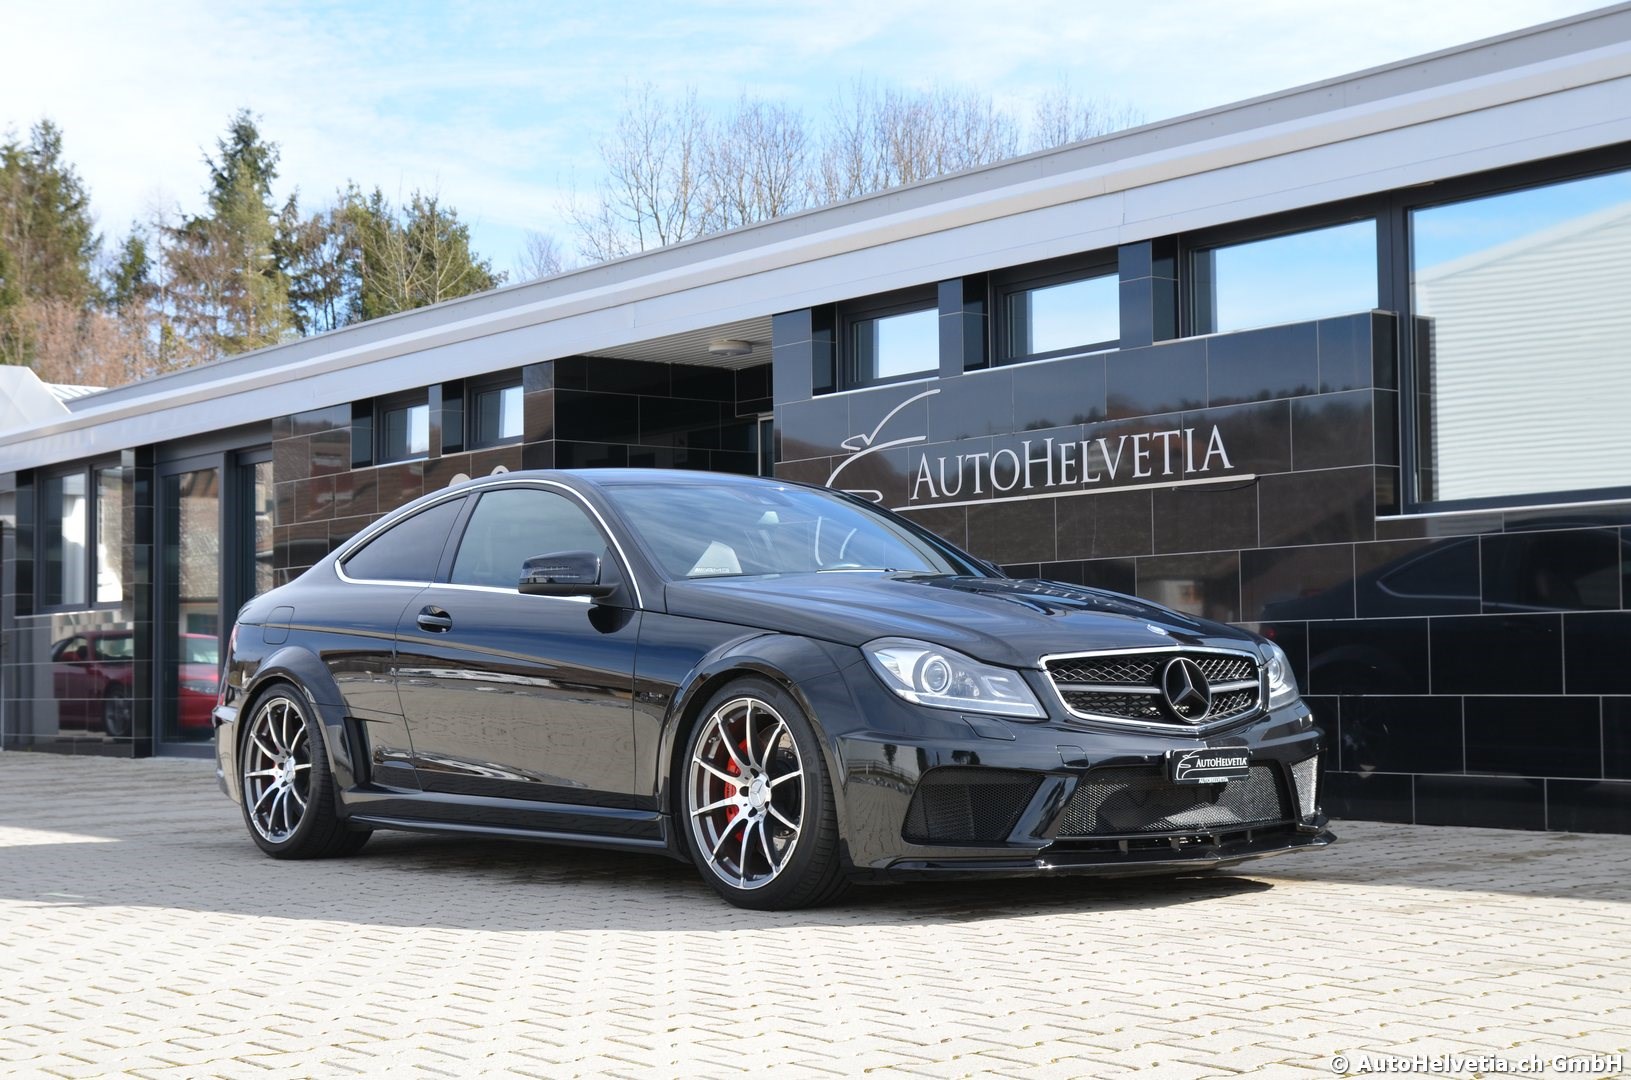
(801, 666)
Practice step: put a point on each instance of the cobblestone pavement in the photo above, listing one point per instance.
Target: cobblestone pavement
(142, 933)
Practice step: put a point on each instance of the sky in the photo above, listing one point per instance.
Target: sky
(501, 107)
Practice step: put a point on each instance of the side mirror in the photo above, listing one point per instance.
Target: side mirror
(564, 573)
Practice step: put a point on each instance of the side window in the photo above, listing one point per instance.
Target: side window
(511, 525)
(410, 550)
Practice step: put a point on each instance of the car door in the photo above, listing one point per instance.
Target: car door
(515, 696)
(353, 628)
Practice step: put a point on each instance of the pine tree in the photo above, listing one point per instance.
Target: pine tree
(48, 241)
(229, 291)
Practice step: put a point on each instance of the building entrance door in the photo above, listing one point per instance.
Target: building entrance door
(215, 531)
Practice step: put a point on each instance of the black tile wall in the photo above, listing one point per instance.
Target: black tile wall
(1279, 362)
(1368, 656)
(1400, 735)
(1488, 801)
(1507, 654)
(1526, 736)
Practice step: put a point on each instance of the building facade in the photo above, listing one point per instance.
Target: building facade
(1345, 364)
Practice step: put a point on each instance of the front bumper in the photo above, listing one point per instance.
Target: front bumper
(928, 792)
(1184, 858)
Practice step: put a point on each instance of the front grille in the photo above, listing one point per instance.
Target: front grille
(1124, 801)
(1305, 774)
(1127, 686)
(968, 805)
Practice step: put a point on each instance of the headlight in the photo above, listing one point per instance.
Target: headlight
(1282, 683)
(929, 675)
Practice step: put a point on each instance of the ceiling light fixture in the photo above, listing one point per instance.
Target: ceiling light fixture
(729, 347)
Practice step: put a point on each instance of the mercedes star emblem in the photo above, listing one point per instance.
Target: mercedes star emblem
(1188, 694)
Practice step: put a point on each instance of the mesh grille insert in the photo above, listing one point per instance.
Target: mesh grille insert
(1123, 801)
(1090, 686)
(968, 805)
(1305, 774)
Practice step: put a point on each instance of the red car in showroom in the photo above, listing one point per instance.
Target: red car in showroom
(93, 671)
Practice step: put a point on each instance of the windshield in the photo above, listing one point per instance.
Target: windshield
(201, 650)
(737, 529)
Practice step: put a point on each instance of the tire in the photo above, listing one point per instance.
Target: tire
(116, 712)
(772, 844)
(290, 803)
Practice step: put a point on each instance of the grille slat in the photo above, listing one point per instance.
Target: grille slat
(1091, 687)
(1131, 800)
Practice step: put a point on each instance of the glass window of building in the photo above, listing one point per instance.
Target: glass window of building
(1521, 325)
(65, 528)
(1293, 278)
(495, 414)
(110, 535)
(891, 346)
(1050, 317)
(404, 430)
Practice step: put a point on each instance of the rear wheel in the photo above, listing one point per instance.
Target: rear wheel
(116, 712)
(289, 797)
(757, 802)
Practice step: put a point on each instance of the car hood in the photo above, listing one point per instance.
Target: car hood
(999, 620)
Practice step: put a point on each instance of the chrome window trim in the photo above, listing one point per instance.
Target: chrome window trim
(345, 550)
(1172, 727)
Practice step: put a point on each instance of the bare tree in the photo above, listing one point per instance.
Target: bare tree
(755, 164)
(886, 137)
(1062, 116)
(85, 346)
(670, 173)
(543, 256)
(652, 194)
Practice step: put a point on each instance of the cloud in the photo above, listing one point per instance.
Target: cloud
(500, 106)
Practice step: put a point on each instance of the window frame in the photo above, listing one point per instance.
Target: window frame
(1043, 275)
(473, 389)
(383, 406)
(1274, 227)
(901, 302)
(1398, 294)
(89, 472)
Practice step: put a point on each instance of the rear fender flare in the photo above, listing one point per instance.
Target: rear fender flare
(312, 680)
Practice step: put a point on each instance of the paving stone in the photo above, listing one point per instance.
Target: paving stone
(142, 934)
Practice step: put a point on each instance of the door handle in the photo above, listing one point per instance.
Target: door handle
(435, 620)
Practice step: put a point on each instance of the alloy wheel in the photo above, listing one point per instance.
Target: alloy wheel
(277, 769)
(745, 793)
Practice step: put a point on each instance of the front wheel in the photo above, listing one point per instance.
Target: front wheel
(757, 803)
(289, 797)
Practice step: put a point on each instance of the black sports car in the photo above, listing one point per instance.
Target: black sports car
(787, 685)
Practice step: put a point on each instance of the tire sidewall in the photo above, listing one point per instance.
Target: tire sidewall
(116, 699)
(317, 786)
(818, 796)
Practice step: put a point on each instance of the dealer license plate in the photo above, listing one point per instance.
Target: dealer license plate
(1208, 765)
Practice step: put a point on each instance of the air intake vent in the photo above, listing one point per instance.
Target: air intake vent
(1129, 801)
(966, 805)
(1305, 774)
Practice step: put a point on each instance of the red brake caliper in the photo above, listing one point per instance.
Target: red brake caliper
(730, 789)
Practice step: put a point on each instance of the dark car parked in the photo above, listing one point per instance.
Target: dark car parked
(781, 683)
